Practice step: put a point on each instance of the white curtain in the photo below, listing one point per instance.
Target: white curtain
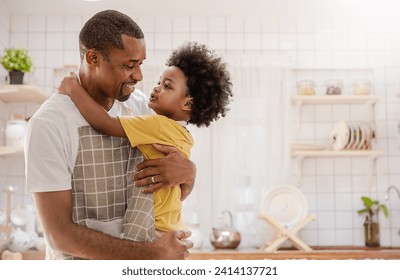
(242, 155)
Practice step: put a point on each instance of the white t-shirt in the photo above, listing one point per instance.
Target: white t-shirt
(52, 140)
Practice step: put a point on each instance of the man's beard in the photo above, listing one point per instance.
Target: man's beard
(123, 98)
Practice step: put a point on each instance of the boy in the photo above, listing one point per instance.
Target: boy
(195, 89)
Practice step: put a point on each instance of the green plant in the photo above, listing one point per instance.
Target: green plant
(16, 59)
(372, 207)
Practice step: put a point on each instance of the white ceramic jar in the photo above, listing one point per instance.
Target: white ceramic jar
(15, 131)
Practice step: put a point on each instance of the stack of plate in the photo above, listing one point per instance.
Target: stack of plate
(307, 147)
(352, 136)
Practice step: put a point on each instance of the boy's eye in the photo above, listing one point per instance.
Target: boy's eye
(167, 86)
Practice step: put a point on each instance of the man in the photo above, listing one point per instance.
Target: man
(79, 178)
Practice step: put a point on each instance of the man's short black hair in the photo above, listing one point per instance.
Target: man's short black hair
(104, 31)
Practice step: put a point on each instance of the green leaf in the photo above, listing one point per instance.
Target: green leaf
(16, 59)
(362, 211)
(385, 210)
(367, 201)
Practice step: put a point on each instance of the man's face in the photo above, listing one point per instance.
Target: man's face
(117, 76)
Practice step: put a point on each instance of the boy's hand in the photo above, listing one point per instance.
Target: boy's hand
(68, 83)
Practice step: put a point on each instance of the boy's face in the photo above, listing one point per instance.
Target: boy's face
(170, 97)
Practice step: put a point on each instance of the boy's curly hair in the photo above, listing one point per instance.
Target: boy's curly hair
(208, 81)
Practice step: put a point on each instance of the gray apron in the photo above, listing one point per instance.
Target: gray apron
(104, 197)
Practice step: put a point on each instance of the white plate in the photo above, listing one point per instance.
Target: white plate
(340, 136)
(285, 204)
(307, 147)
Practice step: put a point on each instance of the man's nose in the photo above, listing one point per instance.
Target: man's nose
(137, 74)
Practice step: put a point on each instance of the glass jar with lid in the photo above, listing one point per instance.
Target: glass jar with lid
(306, 87)
(334, 87)
(362, 87)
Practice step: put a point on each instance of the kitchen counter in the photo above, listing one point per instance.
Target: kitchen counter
(319, 253)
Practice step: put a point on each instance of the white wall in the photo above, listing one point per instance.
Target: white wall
(308, 33)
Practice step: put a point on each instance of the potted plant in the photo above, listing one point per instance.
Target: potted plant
(17, 62)
(371, 224)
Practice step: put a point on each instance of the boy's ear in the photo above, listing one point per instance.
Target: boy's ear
(187, 106)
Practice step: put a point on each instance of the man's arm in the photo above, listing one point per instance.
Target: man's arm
(55, 214)
(92, 111)
(174, 169)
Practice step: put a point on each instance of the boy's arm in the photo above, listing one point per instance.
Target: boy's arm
(93, 112)
(186, 189)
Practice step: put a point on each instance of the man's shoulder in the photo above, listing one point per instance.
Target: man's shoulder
(58, 109)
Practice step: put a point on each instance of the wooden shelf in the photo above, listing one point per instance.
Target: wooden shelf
(335, 99)
(22, 94)
(6, 151)
(329, 153)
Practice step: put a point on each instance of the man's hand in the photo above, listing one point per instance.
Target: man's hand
(173, 245)
(172, 170)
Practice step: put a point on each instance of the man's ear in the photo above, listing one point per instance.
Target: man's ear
(91, 57)
(187, 106)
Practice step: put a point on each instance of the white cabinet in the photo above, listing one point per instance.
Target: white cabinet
(11, 94)
(319, 77)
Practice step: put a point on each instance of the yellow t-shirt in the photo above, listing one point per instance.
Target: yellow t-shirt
(142, 131)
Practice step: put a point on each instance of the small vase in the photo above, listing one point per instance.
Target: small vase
(16, 77)
(371, 231)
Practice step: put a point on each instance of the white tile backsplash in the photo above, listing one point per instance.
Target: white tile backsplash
(252, 25)
(163, 24)
(252, 41)
(19, 40)
(55, 23)
(73, 23)
(181, 24)
(234, 24)
(199, 24)
(217, 24)
(163, 41)
(325, 221)
(54, 41)
(37, 41)
(71, 42)
(217, 41)
(19, 23)
(325, 202)
(343, 202)
(36, 23)
(344, 220)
